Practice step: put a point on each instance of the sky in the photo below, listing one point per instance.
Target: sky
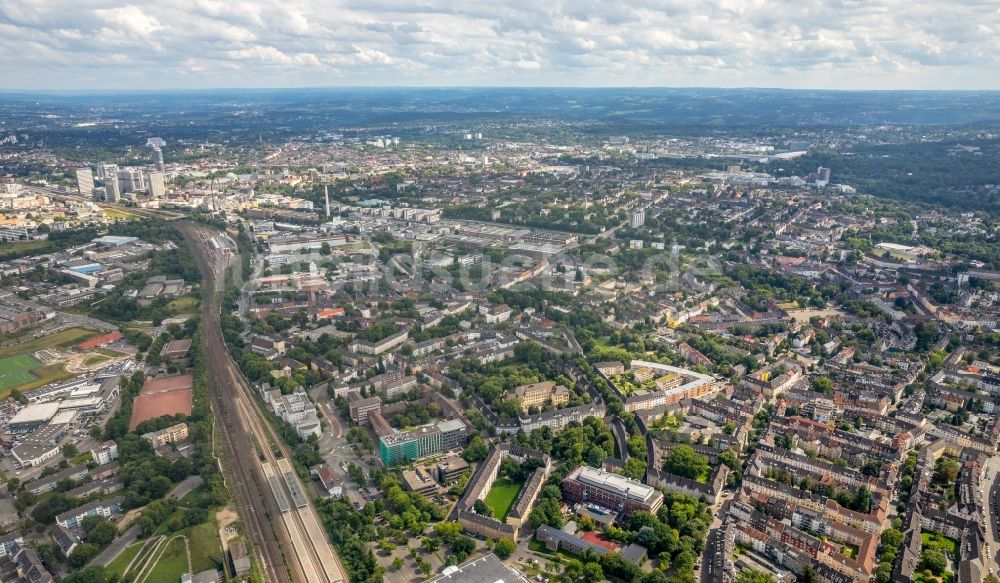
(206, 44)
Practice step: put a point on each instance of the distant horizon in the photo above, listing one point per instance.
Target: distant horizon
(120, 45)
(349, 88)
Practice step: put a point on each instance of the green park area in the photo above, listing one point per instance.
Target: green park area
(162, 559)
(183, 305)
(171, 564)
(502, 496)
(936, 558)
(122, 562)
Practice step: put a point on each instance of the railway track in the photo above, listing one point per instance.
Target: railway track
(250, 497)
(276, 483)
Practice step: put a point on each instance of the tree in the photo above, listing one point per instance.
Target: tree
(635, 468)
(946, 471)
(463, 547)
(476, 451)
(822, 385)
(483, 509)
(573, 570)
(730, 460)
(82, 555)
(504, 548)
(449, 531)
(683, 461)
(592, 572)
(891, 538)
(70, 451)
(934, 561)
(808, 575)
(397, 564)
(752, 576)
(99, 531)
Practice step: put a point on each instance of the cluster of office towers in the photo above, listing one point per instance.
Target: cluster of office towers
(126, 182)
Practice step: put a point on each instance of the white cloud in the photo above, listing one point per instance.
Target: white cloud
(60, 44)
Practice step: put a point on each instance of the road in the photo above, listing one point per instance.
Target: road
(117, 546)
(327, 412)
(621, 437)
(303, 553)
(185, 487)
(712, 560)
(991, 510)
(132, 533)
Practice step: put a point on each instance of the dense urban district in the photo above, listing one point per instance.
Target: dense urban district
(467, 346)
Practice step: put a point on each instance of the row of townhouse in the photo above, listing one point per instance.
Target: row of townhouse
(555, 420)
(777, 539)
(844, 477)
(711, 490)
(835, 443)
(870, 522)
(103, 508)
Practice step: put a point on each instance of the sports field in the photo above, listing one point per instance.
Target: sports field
(16, 371)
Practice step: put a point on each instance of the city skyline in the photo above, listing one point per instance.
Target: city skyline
(202, 44)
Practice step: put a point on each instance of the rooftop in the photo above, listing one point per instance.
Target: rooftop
(486, 569)
(35, 413)
(613, 483)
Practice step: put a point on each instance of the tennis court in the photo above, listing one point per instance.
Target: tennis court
(16, 370)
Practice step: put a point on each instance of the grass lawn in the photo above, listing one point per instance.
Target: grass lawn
(539, 547)
(16, 371)
(171, 565)
(206, 548)
(183, 305)
(16, 247)
(62, 339)
(113, 213)
(118, 565)
(939, 541)
(82, 458)
(502, 496)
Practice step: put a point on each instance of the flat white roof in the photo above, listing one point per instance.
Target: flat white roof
(85, 390)
(35, 413)
(667, 368)
(895, 247)
(65, 416)
(615, 483)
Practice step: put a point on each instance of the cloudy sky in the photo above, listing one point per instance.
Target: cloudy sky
(174, 44)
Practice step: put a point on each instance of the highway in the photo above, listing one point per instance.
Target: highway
(291, 540)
